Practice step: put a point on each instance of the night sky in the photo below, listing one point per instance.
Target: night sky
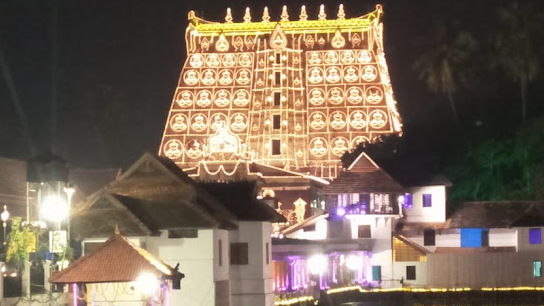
(93, 80)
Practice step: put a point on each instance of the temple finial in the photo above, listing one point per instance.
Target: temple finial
(322, 15)
(116, 231)
(341, 13)
(247, 16)
(191, 15)
(266, 16)
(284, 15)
(228, 18)
(303, 15)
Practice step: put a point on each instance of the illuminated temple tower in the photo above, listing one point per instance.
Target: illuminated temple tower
(279, 101)
(290, 94)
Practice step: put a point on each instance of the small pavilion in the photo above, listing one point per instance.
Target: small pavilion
(119, 272)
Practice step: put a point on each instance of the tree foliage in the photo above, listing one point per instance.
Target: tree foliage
(517, 45)
(506, 168)
(443, 64)
(21, 242)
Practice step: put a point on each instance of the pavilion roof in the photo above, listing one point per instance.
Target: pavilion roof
(117, 260)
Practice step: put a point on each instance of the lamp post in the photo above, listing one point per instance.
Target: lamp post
(4, 216)
(69, 192)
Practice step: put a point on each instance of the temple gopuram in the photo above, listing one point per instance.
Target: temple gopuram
(279, 101)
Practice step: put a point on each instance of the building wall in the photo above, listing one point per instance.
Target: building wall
(320, 233)
(523, 239)
(435, 213)
(503, 237)
(251, 284)
(197, 260)
(477, 270)
(399, 271)
(382, 253)
(451, 238)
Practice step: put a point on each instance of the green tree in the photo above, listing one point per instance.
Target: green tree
(443, 64)
(517, 45)
(509, 168)
(21, 242)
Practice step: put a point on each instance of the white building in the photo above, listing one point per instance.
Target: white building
(219, 234)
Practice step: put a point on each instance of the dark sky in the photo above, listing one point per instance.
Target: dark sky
(93, 79)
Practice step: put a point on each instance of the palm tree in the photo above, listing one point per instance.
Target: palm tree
(517, 46)
(444, 63)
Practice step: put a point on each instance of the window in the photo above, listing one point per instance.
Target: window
(220, 251)
(183, 233)
(427, 200)
(535, 236)
(474, 237)
(537, 268)
(363, 231)
(410, 272)
(278, 58)
(276, 147)
(277, 78)
(276, 122)
(239, 253)
(277, 99)
(377, 273)
(346, 199)
(267, 250)
(407, 201)
(429, 237)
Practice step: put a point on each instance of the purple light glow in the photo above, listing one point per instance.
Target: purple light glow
(340, 211)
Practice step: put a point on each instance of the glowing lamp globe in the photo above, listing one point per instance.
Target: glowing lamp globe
(340, 211)
(317, 264)
(146, 283)
(5, 214)
(54, 209)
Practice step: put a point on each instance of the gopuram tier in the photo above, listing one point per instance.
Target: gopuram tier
(288, 94)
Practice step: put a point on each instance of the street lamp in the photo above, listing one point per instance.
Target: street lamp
(4, 216)
(69, 192)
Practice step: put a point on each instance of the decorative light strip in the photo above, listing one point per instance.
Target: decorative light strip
(433, 290)
(296, 300)
(297, 27)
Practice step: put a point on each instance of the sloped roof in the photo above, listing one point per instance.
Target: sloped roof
(363, 175)
(240, 198)
(117, 260)
(410, 243)
(498, 214)
(313, 219)
(153, 194)
(88, 181)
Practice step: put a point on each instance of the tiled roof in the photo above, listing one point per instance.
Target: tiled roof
(363, 176)
(117, 260)
(88, 181)
(153, 194)
(498, 214)
(240, 199)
